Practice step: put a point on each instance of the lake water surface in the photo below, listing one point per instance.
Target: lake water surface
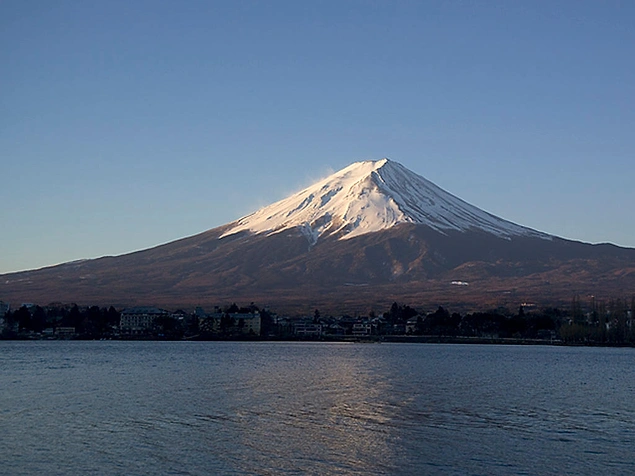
(200, 408)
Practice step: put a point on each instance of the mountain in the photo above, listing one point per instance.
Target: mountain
(366, 236)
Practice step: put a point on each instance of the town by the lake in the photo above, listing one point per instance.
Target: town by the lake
(581, 323)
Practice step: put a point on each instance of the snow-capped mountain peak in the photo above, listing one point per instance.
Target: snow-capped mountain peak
(370, 196)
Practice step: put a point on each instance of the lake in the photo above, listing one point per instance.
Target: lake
(261, 408)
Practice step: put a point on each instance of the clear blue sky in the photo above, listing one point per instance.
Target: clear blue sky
(125, 124)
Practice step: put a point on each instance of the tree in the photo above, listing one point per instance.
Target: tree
(93, 322)
(440, 322)
(23, 317)
(514, 326)
(394, 315)
(112, 317)
(38, 320)
(266, 322)
(601, 311)
(226, 322)
(74, 318)
(168, 327)
(419, 326)
(576, 310)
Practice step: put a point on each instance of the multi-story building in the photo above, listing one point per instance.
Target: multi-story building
(307, 329)
(139, 320)
(233, 323)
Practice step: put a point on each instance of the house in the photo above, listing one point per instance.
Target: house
(398, 329)
(362, 328)
(411, 325)
(335, 330)
(378, 325)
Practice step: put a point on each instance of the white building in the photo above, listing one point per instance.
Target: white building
(251, 323)
(241, 323)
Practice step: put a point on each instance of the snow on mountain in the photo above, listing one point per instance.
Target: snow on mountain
(370, 196)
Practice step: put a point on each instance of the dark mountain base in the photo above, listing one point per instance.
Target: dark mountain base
(409, 264)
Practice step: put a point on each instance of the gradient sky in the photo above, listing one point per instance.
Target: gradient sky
(126, 124)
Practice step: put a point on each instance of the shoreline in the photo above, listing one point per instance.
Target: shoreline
(393, 339)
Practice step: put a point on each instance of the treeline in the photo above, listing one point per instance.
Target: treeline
(90, 322)
(595, 323)
(494, 323)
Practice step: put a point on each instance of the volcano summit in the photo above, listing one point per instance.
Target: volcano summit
(366, 236)
(372, 196)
